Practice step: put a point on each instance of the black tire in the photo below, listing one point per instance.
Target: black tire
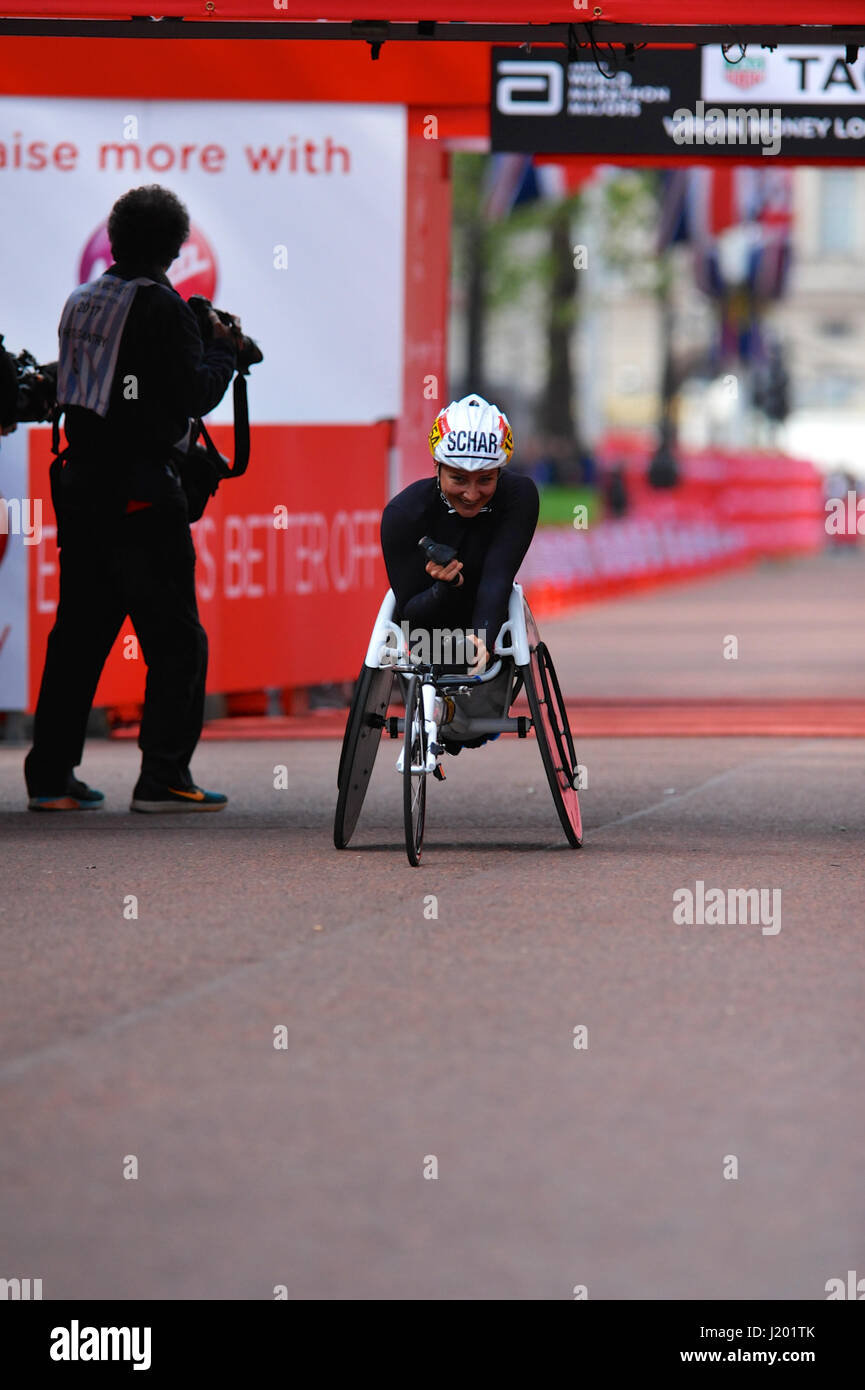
(555, 741)
(359, 747)
(414, 786)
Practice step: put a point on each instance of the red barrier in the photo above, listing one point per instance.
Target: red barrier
(726, 510)
(290, 572)
(775, 500)
(289, 563)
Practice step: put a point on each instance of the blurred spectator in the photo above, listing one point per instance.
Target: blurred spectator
(842, 524)
(589, 468)
(536, 462)
(615, 491)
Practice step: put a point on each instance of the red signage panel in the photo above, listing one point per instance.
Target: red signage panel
(289, 574)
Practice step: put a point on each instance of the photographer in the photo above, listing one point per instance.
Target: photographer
(133, 373)
(8, 392)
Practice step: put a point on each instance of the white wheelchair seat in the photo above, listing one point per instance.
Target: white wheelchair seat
(388, 647)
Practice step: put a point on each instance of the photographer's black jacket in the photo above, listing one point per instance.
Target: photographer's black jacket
(490, 545)
(125, 455)
(8, 387)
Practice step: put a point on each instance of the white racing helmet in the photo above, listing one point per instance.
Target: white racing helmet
(471, 434)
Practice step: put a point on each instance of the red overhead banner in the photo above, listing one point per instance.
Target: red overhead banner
(781, 12)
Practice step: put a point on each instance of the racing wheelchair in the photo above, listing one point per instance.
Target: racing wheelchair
(454, 707)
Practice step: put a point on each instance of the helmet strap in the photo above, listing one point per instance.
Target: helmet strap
(452, 510)
(439, 486)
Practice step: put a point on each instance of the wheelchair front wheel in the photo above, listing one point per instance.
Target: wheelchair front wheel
(414, 782)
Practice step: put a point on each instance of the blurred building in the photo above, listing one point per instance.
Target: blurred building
(617, 343)
(823, 318)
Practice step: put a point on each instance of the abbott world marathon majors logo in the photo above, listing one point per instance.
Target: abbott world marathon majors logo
(194, 271)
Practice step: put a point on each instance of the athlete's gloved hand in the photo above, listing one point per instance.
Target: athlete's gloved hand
(480, 656)
(450, 574)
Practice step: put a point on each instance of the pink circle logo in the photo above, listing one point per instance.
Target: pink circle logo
(194, 271)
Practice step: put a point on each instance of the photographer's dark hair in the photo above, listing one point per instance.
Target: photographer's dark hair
(147, 226)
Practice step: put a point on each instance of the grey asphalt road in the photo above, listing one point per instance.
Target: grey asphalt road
(798, 625)
(430, 1014)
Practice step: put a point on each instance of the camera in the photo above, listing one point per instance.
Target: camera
(248, 351)
(28, 389)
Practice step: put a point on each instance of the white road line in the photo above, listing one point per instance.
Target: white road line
(679, 797)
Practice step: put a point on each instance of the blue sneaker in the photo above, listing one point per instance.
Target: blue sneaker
(76, 796)
(153, 797)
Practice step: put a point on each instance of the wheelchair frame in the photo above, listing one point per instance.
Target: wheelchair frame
(429, 694)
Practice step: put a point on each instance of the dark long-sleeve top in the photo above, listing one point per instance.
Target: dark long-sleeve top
(490, 545)
(177, 377)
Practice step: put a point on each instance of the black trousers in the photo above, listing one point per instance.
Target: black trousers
(141, 565)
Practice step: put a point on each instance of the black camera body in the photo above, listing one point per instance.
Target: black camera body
(437, 551)
(28, 389)
(248, 351)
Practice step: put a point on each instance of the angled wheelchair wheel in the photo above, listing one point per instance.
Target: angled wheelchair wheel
(359, 747)
(555, 742)
(414, 783)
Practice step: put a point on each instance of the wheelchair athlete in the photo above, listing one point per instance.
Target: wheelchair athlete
(472, 505)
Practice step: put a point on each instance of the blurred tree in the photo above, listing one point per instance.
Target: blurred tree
(556, 409)
(663, 469)
(633, 209)
(471, 254)
(497, 261)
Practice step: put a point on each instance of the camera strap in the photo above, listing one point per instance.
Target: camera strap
(55, 430)
(241, 435)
